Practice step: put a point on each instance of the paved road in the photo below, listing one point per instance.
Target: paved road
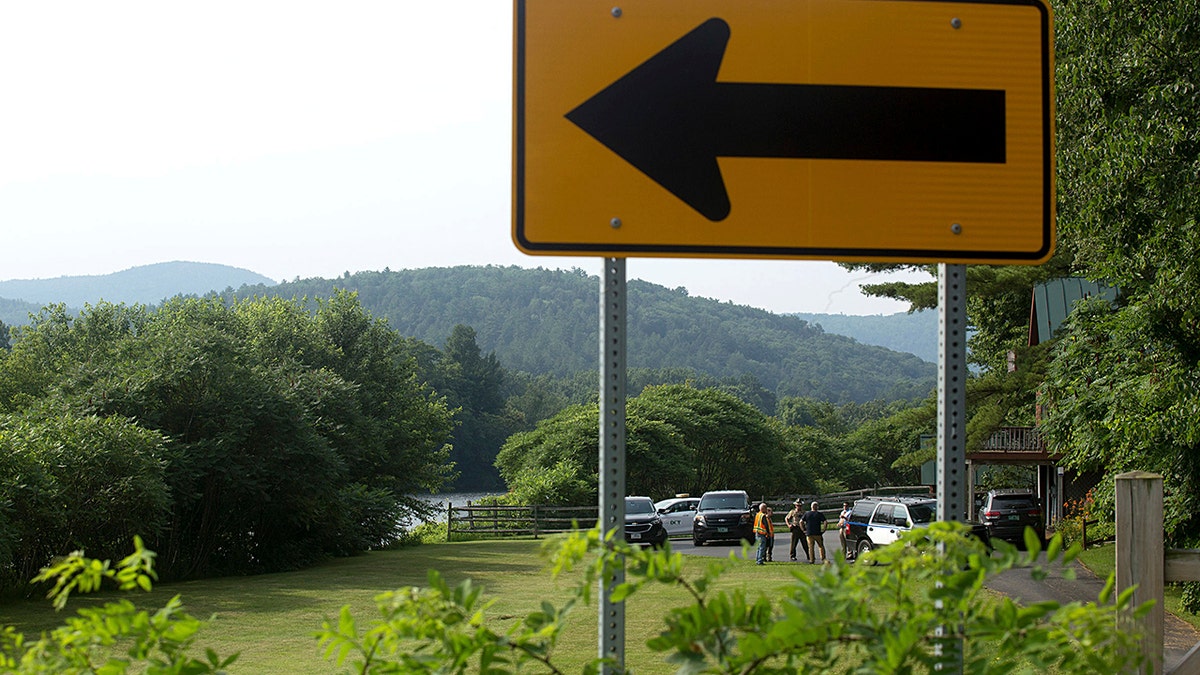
(783, 542)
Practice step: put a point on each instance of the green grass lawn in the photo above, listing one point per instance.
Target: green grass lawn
(270, 619)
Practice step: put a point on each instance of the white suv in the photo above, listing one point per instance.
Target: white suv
(878, 521)
(677, 514)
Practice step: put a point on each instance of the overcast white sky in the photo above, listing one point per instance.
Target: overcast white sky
(294, 139)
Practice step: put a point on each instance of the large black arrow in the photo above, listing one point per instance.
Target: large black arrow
(670, 118)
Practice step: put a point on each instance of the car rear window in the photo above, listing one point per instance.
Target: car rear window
(862, 510)
(884, 515)
(922, 513)
(1003, 502)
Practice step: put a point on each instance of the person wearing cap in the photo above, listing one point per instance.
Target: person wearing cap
(792, 520)
(813, 523)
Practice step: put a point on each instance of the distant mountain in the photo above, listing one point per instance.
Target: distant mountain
(546, 321)
(148, 285)
(914, 333)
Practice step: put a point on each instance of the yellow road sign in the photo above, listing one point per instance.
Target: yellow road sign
(854, 130)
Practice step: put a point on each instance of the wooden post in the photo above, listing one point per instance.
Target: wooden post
(449, 519)
(1140, 554)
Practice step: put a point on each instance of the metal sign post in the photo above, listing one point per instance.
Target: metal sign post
(952, 381)
(952, 419)
(612, 454)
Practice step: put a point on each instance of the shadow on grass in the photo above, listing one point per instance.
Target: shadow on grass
(356, 580)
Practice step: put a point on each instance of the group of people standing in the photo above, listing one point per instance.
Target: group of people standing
(807, 528)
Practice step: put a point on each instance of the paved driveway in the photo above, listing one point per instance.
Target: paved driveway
(1018, 584)
(783, 542)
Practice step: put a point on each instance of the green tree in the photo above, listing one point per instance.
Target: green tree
(535, 398)
(474, 385)
(403, 442)
(730, 443)
(678, 439)
(72, 481)
(853, 446)
(558, 462)
(289, 434)
(1122, 389)
(998, 299)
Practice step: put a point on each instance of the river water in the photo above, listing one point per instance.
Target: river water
(455, 498)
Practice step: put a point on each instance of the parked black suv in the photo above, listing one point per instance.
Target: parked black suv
(642, 522)
(723, 515)
(878, 521)
(1006, 514)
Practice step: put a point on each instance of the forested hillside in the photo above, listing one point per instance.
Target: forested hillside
(16, 312)
(545, 322)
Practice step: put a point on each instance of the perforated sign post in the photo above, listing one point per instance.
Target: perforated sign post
(908, 131)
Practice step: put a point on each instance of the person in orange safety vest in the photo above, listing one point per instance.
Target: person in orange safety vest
(765, 531)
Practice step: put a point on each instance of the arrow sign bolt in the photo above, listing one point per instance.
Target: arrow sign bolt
(956, 23)
(956, 228)
(671, 119)
(615, 222)
(616, 12)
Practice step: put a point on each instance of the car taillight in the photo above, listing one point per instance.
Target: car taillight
(991, 514)
(1035, 512)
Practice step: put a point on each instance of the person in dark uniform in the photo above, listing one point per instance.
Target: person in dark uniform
(813, 523)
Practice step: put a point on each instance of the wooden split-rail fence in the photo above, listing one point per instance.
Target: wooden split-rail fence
(489, 520)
